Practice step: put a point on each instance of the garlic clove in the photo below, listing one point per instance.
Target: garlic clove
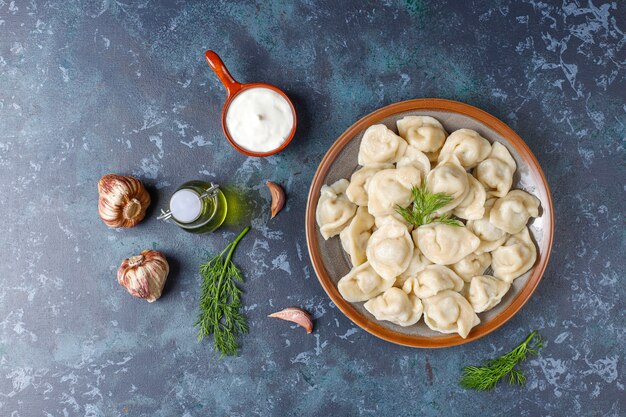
(295, 315)
(278, 197)
(122, 200)
(144, 275)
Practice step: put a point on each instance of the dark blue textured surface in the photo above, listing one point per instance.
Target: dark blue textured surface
(90, 87)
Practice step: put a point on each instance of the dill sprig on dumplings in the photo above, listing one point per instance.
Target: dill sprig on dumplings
(220, 301)
(486, 377)
(424, 205)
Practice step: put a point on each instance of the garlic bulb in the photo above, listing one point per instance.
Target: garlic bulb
(123, 200)
(144, 275)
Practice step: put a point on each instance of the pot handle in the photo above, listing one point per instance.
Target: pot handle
(217, 65)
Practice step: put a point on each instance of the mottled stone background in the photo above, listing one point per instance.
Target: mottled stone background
(90, 87)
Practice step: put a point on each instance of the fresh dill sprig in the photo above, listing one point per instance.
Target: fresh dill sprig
(424, 205)
(485, 378)
(220, 301)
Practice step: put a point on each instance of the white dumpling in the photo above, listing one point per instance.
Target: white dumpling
(511, 212)
(432, 280)
(468, 146)
(380, 221)
(515, 257)
(417, 265)
(490, 236)
(496, 172)
(359, 181)
(444, 244)
(355, 236)
(448, 177)
(449, 312)
(390, 188)
(380, 146)
(423, 132)
(396, 306)
(485, 292)
(334, 210)
(416, 158)
(473, 205)
(362, 283)
(390, 249)
(472, 265)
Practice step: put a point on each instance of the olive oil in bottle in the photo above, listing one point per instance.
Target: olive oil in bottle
(197, 207)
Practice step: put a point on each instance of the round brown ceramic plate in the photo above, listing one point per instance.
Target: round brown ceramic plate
(331, 263)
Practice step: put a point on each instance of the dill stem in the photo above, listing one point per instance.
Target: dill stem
(530, 336)
(235, 242)
(232, 245)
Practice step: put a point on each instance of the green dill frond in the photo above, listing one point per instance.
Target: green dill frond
(485, 378)
(220, 301)
(447, 219)
(424, 205)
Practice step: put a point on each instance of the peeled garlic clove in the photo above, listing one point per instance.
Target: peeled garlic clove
(144, 275)
(278, 197)
(123, 200)
(296, 315)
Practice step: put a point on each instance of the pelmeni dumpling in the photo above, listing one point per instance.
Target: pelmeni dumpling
(444, 244)
(390, 249)
(423, 132)
(380, 146)
(490, 236)
(472, 265)
(355, 236)
(390, 188)
(362, 283)
(396, 306)
(515, 257)
(473, 205)
(485, 292)
(417, 265)
(496, 172)
(511, 212)
(468, 146)
(449, 312)
(334, 210)
(432, 280)
(449, 177)
(357, 190)
(380, 221)
(416, 158)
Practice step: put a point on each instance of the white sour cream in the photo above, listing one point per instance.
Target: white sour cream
(259, 119)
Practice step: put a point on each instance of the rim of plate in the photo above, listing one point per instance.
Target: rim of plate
(370, 325)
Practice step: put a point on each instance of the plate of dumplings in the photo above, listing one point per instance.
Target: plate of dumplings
(429, 223)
